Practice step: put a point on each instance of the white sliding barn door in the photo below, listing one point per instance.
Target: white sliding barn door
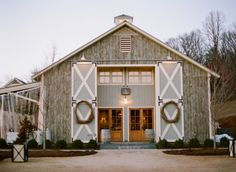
(170, 100)
(84, 88)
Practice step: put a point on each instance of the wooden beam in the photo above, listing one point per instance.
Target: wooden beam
(2, 110)
(209, 105)
(26, 98)
(41, 104)
(19, 88)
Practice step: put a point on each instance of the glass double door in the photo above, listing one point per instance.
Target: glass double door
(140, 120)
(111, 119)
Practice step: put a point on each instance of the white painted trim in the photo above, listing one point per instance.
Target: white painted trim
(96, 107)
(20, 87)
(72, 104)
(2, 112)
(110, 77)
(141, 107)
(170, 140)
(209, 106)
(18, 92)
(96, 123)
(157, 120)
(123, 118)
(128, 120)
(125, 23)
(182, 93)
(159, 105)
(41, 104)
(126, 65)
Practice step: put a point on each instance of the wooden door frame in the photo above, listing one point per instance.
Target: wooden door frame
(141, 107)
(110, 108)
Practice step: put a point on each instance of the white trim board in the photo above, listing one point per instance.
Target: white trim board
(20, 87)
(125, 23)
(209, 107)
(126, 65)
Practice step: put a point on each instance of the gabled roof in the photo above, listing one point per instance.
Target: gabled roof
(13, 82)
(125, 23)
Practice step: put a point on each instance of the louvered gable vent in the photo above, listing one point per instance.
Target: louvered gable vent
(125, 43)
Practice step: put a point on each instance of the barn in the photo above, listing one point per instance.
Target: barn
(128, 82)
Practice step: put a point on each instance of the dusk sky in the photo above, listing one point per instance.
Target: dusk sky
(29, 28)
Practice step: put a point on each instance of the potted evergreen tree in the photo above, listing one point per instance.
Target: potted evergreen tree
(19, 148)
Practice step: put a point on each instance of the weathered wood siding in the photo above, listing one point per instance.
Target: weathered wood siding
(58, 97)
(196, 115)
(58, 83)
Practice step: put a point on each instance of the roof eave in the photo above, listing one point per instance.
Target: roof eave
(79, 49)
(137, 29)
(20, 87)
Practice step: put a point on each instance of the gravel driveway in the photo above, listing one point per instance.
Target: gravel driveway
(124, 160)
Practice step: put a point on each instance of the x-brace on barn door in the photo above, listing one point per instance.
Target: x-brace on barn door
(84, 88)
(170, 100)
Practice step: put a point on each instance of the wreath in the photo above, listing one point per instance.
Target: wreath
(163, 114)
(91, 116)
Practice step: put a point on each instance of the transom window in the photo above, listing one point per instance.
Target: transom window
(111, 76)
(117, 77)
(133, 77)
(104, 77)
(140, 76)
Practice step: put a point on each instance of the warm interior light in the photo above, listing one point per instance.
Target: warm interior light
(125, 100)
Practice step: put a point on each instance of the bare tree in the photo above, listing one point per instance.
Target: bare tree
(214, 27)
(191, 44)
(49, 59)
(175, 43)
(222, 89)
(228, 50)
(51, 55)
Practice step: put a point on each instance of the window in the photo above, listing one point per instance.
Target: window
(125, 43)
(146, 77)
(104, 77)
(140, 76)
(135, 120)
(147, 118)
(133, 77)
(116, 120)
(117, 77)
(111, 76)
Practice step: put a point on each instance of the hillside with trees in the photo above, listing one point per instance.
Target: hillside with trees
(214, 46)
